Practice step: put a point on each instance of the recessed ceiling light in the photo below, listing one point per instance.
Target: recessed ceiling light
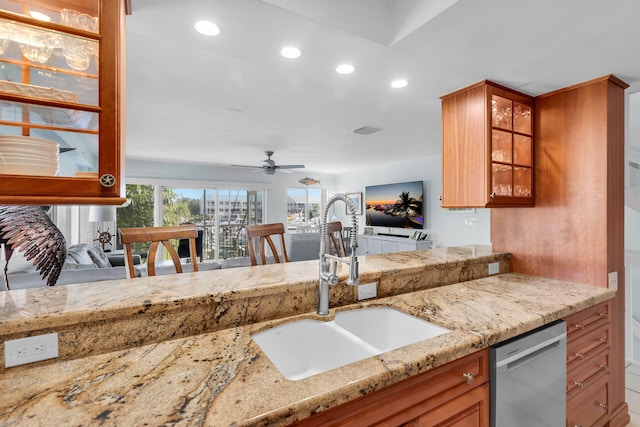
(397, 84)
(207, 28)
(345, 69)
(40, 16)
(290, 52)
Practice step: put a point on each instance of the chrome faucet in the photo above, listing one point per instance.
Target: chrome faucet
(329, 263)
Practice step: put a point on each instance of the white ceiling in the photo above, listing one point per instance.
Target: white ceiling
(226, 99)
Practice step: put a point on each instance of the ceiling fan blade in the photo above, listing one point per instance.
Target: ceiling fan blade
(245, 166)
(290, 166)
(284, 170)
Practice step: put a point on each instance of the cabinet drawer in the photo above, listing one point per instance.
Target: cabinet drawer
(583, 372)
(588, 344)
(470, 409)
(586, 320)
(590, 407)
(407, 400)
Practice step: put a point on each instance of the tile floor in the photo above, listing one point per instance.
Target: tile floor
(632, 384)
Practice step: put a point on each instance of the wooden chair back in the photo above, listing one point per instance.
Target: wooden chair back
(335, 240)
(266, 233)
(156, 236)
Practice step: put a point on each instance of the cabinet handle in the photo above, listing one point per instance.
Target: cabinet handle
(576, 425)
(604, 340)
(579, 383)
(578, 326)
(494, 195)
(580, 356)
(469, 377)
(604, 314)
(603, 406)
(603, 366)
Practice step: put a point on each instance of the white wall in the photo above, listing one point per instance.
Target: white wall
(447, 229)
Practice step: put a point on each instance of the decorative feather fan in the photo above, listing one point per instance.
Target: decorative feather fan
(29, 230)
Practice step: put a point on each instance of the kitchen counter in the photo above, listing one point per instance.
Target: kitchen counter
(222, 378)
(94, 318)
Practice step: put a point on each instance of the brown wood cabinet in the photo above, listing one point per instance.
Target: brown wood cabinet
(456, 394)
(588, 338)
(62, 80)
(576, 230)
(487, 147)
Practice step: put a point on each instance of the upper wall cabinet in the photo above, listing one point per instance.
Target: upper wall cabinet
(61, 101)
(487, 147)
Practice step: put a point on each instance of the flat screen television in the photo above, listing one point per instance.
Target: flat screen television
(395, 205)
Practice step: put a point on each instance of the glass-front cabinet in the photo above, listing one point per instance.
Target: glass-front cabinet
(61, 101)
(487, 147)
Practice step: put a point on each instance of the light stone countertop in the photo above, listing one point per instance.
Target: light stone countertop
(222, 378)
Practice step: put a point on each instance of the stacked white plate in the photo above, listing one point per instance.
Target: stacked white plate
(24, 155)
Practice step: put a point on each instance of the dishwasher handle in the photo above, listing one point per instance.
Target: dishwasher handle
(531, 353)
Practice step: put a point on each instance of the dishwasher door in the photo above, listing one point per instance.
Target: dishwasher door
(528, 379)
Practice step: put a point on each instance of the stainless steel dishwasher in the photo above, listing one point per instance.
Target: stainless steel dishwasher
(528, 379)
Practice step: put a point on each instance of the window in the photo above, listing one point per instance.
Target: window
(138, 213)
(304, 208)
(219, 214)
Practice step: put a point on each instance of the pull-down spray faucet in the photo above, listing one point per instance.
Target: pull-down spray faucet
(329, 263)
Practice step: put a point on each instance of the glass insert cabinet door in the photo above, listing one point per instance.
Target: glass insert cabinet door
(60, 89)
(511, 148)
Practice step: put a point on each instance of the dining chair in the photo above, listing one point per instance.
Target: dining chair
(156, 236)
(335, 240)
(265, 232)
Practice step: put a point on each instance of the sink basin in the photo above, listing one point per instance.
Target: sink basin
(304, 348)
(387, 328)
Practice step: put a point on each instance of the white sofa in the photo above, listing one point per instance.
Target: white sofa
(85, 264)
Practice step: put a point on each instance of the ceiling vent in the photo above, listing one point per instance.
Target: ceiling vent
(366, 130)
(634, 165)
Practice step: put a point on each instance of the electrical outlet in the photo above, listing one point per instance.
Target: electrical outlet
(494, 268)
(368, 290)
(613, 280)
(30, 349)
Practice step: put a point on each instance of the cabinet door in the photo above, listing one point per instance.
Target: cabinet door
(363, 244)
(61, 88)
(407, 246)
(511, 148)
(469, 410)
(374, 246)
(388, 246)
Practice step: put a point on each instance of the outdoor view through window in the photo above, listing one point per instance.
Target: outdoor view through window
(220, 215)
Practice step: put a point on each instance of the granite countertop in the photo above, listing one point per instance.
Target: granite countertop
(222, 378)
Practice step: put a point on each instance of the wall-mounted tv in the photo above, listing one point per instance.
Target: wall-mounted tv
(395, 205)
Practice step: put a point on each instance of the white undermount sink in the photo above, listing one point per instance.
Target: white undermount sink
(307, 347)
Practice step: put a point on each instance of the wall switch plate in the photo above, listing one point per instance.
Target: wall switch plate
(368, 290)
(613, 280)
(30, 349)
(494, 268)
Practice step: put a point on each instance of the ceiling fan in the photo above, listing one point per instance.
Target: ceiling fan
(269, 166)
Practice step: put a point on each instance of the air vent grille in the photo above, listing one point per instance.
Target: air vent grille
(634, 165)
(366, 130)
